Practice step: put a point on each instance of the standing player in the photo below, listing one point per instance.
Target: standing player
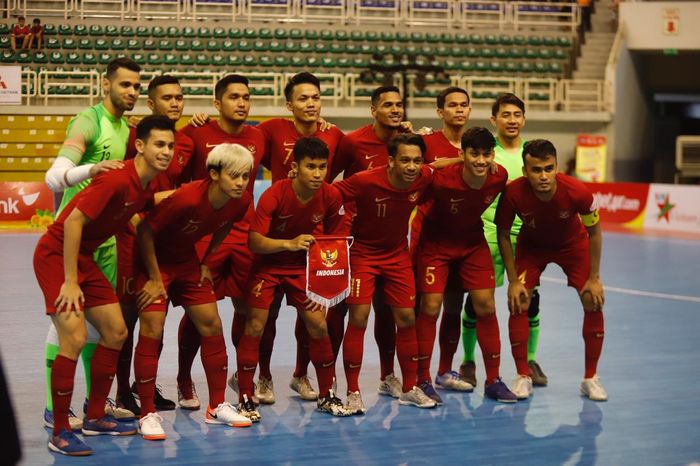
(167, 237)
(230, 263)
(452, 242)
(561, 226)
(360, 150)
(76, 290)
(508, 117)
(303, 95)
(384, 199)
(95, 142)
(164, 98)
(287, 217)
(453, 108)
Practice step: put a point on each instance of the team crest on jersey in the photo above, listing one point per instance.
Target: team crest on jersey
(489, 199)
(564, 214)
(329, 258)
(251, 148)
(413, 197)
(316, 218)
(180, 158)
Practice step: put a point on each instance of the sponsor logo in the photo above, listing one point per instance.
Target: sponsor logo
(147, 380)
(249, 368)
(381, 199)
(180, 159)
(315, 218)
(413, 197)
(412, 297)
(495, 356)
(564, 214)
(60, 393)
(414, 358)
(129, 204)
(369, 157)
(457, 200)
(614, 202)
(600, 335)
(28, 199)
(329, 259)
(663, 202)
(327, 364)
(354, 366)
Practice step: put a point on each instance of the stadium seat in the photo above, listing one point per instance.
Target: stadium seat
(265, 33)
(73, 58)
(57, 58)
(186, 59)
(341, 35)
(326, 35)
(96, 30)
(549, 41)
(387, 36)
(564, 42)
(8, 56)
(101, 44)
(250, 33)
(233, 60)
(85, 44)
(65, 30)
(280, 34)
(219, 33)
(218, 60)
(69, 44)
(148, 44)
(213, 46)
(204, 33)
(490, 39)
(51, 43)
(250, 60)
(328, 62)
(49, 30)
(202, 59)
(104, 58)
(89, 58)
(297, 61)
(196, 45)
(260, 46)
(556, 68)
(281, 61)
(534, 40)
(296, 33)
(23, 57)
(265, 61)
(165, 44)
(143, 31)
(111, 31)
(357, 36)
(235, 33)
(126, 31)
(321, 47)
(188, 32)
(477, 39)
(80, 30)
(275, 46)
(181, 45)
(133, 44)
(117, 44)
(337, 48)
(173, 32)
(372, 36)
(291, 46)
(228, 45)
(170, 59)
(157, 32)
(505, 39)
(245, 46)
(544, 54)
(154, 59)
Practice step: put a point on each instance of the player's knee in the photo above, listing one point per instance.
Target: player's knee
(405, 319)
(73, 343)
(254, 326)
(430, 304)
(317, 329)
(484, 307)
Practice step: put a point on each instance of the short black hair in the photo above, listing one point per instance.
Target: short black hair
(20, 17)
(383, 90)
(539, 149)
(124, 62)
(36, 21)
(406, 139)
(151, 122)
(161, 80)
(442, 96)
(505, 99)
(300, 78)
(478, 138)
(223, 83)
(313, 148)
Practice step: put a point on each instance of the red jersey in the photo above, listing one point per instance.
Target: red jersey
(280, 215)
(454, 218)
(177, 172)
(187, 215)
(438, 147)
(210, 135)
(359, 150)
(281, 135)
(383, 212)
(21, 30)
(109, 201)
(549, 224)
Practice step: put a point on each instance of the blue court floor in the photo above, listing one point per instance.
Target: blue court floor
(650, 367)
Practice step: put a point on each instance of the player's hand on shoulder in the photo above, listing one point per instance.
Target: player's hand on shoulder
(105, 166)
(493, 169)
(594, 287)
(133, 120)
(70, 298)
(425, 131)
(205, 274)
(406, 127)
(325, 125)
(199, 119)
(151, 292)
(300, 243)
(517, 297)
(292, 173)
(312, 306)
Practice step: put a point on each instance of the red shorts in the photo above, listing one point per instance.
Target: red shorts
(266, 282)
(230, 266)
(396, 274)
(574, 260)
(472, 266)
(127, 259)
(181, 281)
(48, 268)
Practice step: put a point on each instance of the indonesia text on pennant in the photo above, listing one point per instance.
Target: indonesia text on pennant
(328, 270)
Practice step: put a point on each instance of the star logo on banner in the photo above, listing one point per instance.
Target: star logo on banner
(663, 201)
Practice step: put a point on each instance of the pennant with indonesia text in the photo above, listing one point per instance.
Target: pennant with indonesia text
(328, 270)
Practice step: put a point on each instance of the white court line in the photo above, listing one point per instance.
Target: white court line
(650, 294)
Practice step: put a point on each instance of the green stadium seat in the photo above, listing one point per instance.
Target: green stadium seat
(502, 52)
(89, 58)
(432, 38)
(80, 30)
(8, 56)
(265, 33)
(186, 59)
(39, 58)
(265, 61)
(218, 60)
(51, 43)
(49, 30)
(496, 67)
(296, 33)
(530, 53)
(5, 43)
(154, 59)
(387, 36)
(467, 66)
(341, 35)
(275, 46)
(233, 60)
(417, 37)
(312, 61)
(563, 41)
(549, 41)
(560, 54)
(372, 36)
(235, 33)
(291, 46)
(352, 48)
(65, 30)
(85, 44)
(57, 58)
(344, 62)
(148, 44)
(96, 30)
(133, 44)
(526, 67)
(196, 45)
(173, 32)
(490, 39)
(534, 40)
(281, 61)
(245, 46)
(213, 45)
(477, 39)
(189, 32)
(328, 62)
(228, 45)
(126, 31)
(250, 61)
(101, 44)
(337, 48)
(157, 32)
(297, 61)
(505, 39)
(556, 68)
(170, 59)
(260, 46)
(204, 33)
(360, 62)
(311, 34)
(250, 33)
(73, 58)
(544, 54)
(69, 44)
(471, 52)
(181, 45)
(219, 32)
(461, 38)
(165, 44)
(426, 50)
(202, 59)
(321, 47)
(541, 68)
(511, 67)
(104, 58)
(357, 36)
(117, 44)
(326, 35)
(143, 31)
(447, 38)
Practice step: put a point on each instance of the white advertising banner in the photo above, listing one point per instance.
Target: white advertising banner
(10, 85)
(672, 207)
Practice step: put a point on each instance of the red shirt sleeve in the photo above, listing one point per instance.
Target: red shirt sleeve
(348, 188)
(186, 148)
(342, 159)
(268, 128)
(505, 212)
(334, 220)
(583, 199)
(264, 211)
(99, 193)
(167, 211)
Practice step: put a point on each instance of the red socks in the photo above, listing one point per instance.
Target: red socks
(425, 334)
(488, 336)
(267, 341)
(335, 320)
(102, 370)
(407, 352)
(188, 341)
(519, 332)
(215, 362)
(237, 327)
(321, 353)
(145, 371)
(62, 376)
(450, 328)
(247, 362)
(124, 365)
(385, 336)
(353, 345)
(593, 335)
(303, 359)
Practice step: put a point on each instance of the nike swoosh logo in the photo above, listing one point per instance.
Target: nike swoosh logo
(327, 364)
(526, 214)
(60, 393)
(129, 204)
(252, 368)
(599, 335)
(195, 222)
(378, 199)
(495, 356)
(209, 146)
(414, 359)
(147, 380)
(457, 200)
(284, 217)
(354, 366)
(368, 157)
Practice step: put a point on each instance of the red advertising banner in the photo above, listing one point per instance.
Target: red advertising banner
(621, 203)
(25, 205)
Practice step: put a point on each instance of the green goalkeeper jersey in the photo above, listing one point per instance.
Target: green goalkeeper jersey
(513, 163)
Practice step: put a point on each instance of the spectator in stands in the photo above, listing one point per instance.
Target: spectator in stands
(586, 10)
(21, 33)
(37, 34)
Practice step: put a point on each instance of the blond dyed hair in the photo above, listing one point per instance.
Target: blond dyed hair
(233, 159)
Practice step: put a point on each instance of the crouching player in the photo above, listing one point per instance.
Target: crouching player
(287, 216)
(166, 237)
(560, 225)
(75, 290)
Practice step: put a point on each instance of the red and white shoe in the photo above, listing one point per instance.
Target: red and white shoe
(226, 414)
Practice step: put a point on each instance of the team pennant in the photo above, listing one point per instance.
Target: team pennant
(328, 270)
